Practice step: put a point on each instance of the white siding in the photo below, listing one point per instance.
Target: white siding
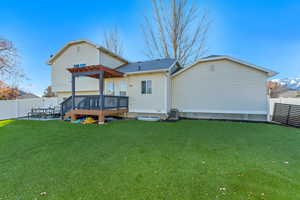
(168, 93)
(220, 87)
(157, 102)
(109, 61)
(82, 53)
(147, 103)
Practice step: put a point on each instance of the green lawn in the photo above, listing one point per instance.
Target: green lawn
(137, 160)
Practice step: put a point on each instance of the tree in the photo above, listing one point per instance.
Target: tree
(48, 92)
(275, 89)
(176, 29)
(113, 42)
(8, 93)
(8, 62)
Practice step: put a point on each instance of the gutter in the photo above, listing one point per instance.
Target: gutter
(146, 72)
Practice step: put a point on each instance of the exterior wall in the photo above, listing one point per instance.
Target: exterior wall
(116, 82)
(68, 94)
(224, 116)
(222, 87)
(109, 61)
(147, 103)
(132, 115)
(155, 103)
(168, 93)
(82, 53)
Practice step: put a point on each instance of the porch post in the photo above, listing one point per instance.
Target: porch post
(73, 92)
(101, 90)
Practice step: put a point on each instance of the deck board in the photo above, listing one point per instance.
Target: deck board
(74, 114)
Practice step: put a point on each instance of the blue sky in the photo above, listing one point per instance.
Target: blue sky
(265, 33)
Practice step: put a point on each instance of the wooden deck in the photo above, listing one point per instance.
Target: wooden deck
(94, 105)
(101, 114)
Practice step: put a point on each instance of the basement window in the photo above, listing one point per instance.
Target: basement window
(146, 87)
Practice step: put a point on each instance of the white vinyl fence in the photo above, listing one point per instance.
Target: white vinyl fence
(19, 108)
(295, 101)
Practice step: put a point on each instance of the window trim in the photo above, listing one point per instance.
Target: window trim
(113, 91)
(146, 87)
(123, 87)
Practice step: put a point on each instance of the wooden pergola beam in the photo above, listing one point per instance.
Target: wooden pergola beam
(93, 71)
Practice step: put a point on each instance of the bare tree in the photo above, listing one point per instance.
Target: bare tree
(8, 62)
(7, 92)
(275, 89)
(177, 29)
(48, 92)
(113, 42)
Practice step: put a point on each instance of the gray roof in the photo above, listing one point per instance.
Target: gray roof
(158, 64)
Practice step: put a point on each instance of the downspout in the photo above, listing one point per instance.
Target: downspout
(167, 96)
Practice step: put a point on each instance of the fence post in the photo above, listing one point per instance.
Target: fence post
(17, 108)
(274, 111)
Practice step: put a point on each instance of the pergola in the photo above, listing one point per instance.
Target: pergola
(103, 107)
(94, 71)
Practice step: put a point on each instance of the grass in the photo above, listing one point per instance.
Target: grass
(131, 160)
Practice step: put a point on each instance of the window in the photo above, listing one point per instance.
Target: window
(122, 93)
(147, 87)
(111, 88)
(123, 88)
(79, 65)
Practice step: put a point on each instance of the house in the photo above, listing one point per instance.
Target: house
(285, 94)
(284, 88)
(214, 87)
(26, 95)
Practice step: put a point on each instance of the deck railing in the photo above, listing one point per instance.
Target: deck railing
(93, 102)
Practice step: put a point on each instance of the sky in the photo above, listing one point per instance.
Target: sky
(265, 33)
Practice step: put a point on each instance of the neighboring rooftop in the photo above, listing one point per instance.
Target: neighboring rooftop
(151, 65)
(26, 95)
